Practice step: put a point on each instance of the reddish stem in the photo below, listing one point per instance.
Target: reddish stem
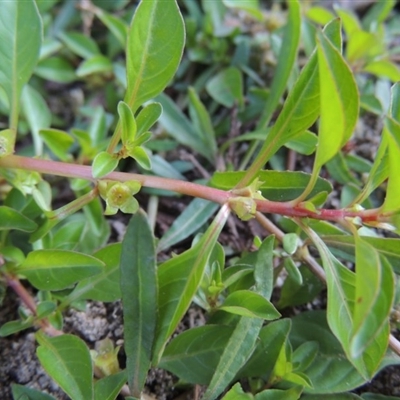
(187, 188)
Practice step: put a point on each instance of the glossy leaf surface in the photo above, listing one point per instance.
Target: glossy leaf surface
(103, 164)
(249, 304)
(19, 48)
(128, 123)
(138, 277)
(373, 298)
(58, 269)
(37, 114)
(194, 354)
(180, 128)
(108, 388)
(236, 353)
(341, 284)
(271, 339)
(192, 218)
(339, 101)
(105, 285)
(12, 219)
(387, 247)
(67, 360)
(154, 49)
(179, 279)
(275, 185)
(392, 132)
(286, 59)
(243, 339)
(58, 142)
(26, 393)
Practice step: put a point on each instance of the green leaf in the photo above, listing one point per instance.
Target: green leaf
(12, 219)
(138, 276)
(12, 327)
(276, 185)
(80, 44)
(66, 359)
(227, 87)
(286, 59)
(237, 393)
(202, 121)
(109, 387)
(299, 112)
(141, 156)
(58, 142)
(304, 143)
(384, 69)
(275, 394)
(337, 396)
(58, 269)
(237, 351)
(378, 13)
(147, 117)
(19, 49)
(339, 101)
(264, 269)
(340, 171)
(341, 284)
(242, 343)
(7, 137)
(179, 279)
(304, 355)
(180, 128)
(320, 15)
(103, 164)
(37, 114)
(45, 308)
(250, 6)
(105, 285)
(387, 247)
(128, 123)
(271, 339)
(362, 45)
(392, 133)
(192, 219)
(154, 50)
(56, 69)
(26, 393)
(374, 396)
(249, 304)
(374, 297)
(342, 376)
(97, 64)
(161, 167)
(116, 26)
(194, 354)
(293, 271)
(294, 293)
(290, 243)
(379, 171)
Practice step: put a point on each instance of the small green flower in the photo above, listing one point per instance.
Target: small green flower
(119, 196)
(243, 202)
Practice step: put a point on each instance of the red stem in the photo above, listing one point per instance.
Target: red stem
(183, 187)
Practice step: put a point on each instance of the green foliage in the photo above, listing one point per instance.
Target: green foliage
(138, 275)
(215, 100)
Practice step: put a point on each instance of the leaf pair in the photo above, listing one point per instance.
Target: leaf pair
(134, 133)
